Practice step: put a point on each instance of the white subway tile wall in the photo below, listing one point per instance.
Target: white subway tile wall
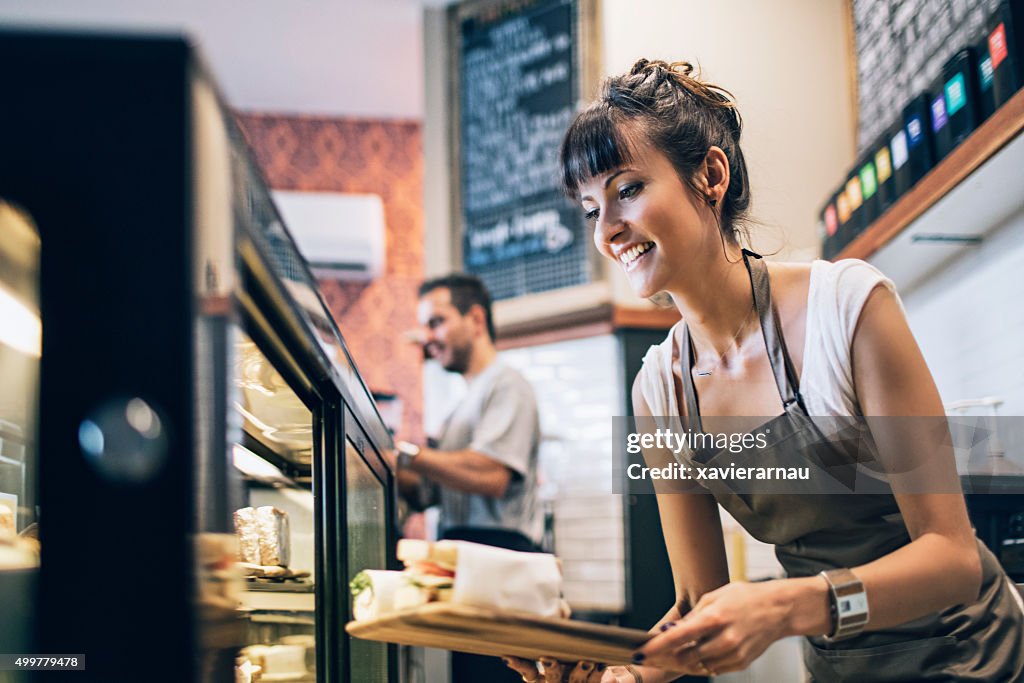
(578, 390)
(968, 319)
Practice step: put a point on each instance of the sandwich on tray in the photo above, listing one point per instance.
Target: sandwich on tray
(429, 576)
(463, 572)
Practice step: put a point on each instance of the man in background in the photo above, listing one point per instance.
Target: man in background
(483, 472)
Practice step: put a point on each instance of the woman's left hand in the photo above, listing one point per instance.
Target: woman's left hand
(726, 631)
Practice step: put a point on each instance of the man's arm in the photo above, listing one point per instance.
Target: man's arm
(503, 440)
(463, 470)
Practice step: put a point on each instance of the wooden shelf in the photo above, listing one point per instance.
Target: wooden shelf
(603, 319)
(1000, 129)
(265, 601)
(645, 318)
(572, 313)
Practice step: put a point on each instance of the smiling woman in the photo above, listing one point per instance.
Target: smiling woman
(887, 587)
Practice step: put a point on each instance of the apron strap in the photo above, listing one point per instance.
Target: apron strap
(686, 368)
(778, 357)
(785, 375)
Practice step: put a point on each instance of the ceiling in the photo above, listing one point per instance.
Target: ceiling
(325, 57)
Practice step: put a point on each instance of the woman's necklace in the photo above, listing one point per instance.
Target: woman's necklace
(735, 337)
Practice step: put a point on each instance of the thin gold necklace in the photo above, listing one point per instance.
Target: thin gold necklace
(735, 338)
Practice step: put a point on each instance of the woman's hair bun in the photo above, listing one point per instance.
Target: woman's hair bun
(680, 76)
(646, 67)
(640, 66)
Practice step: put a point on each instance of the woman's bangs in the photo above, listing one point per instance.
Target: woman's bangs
(594, 144)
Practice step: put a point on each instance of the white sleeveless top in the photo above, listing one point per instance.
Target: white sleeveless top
(835, 299)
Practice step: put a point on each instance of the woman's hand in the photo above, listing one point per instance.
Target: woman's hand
(553, 671)
(727, 630)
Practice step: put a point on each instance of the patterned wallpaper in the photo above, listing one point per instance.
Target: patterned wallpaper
(362, 156)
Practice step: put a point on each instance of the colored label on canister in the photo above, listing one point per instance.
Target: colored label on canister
(997, 46)
(986, 72)
(956, 93)
(843, 207)
(900, 154)
(939, 117)
(883, 164)
(915, 132)
(853, 193)
(868, 183)
(831, 220)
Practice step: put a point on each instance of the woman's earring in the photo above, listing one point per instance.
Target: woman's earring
(712, 202)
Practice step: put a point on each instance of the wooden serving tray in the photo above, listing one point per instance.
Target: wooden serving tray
(463, 628)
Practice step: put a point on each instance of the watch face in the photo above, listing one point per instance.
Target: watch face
(854, 604)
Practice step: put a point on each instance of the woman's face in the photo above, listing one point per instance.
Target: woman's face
(647, 221)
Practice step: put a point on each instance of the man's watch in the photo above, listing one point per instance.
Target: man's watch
(407, 452)
(849, 604)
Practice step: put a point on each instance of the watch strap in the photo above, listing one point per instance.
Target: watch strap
(850, 611)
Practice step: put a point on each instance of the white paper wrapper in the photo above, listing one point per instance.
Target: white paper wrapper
(505, 579)
(388, 591)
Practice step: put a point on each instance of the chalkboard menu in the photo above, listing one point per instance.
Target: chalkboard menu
(518, 83)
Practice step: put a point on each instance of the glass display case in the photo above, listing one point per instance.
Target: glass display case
(190, 465)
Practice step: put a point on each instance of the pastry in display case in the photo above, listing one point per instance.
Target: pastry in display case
(176, 395)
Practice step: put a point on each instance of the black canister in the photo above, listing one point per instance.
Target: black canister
(942, 133)
(1005, 45)
(899, 151)
(961, 94)
(986, 76)
(917, 123)
(855, 200)
(868, 188)
(882, 156)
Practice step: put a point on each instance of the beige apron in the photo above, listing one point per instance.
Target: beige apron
(983, 641)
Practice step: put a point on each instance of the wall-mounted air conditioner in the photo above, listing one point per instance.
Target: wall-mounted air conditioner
(341, 235)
